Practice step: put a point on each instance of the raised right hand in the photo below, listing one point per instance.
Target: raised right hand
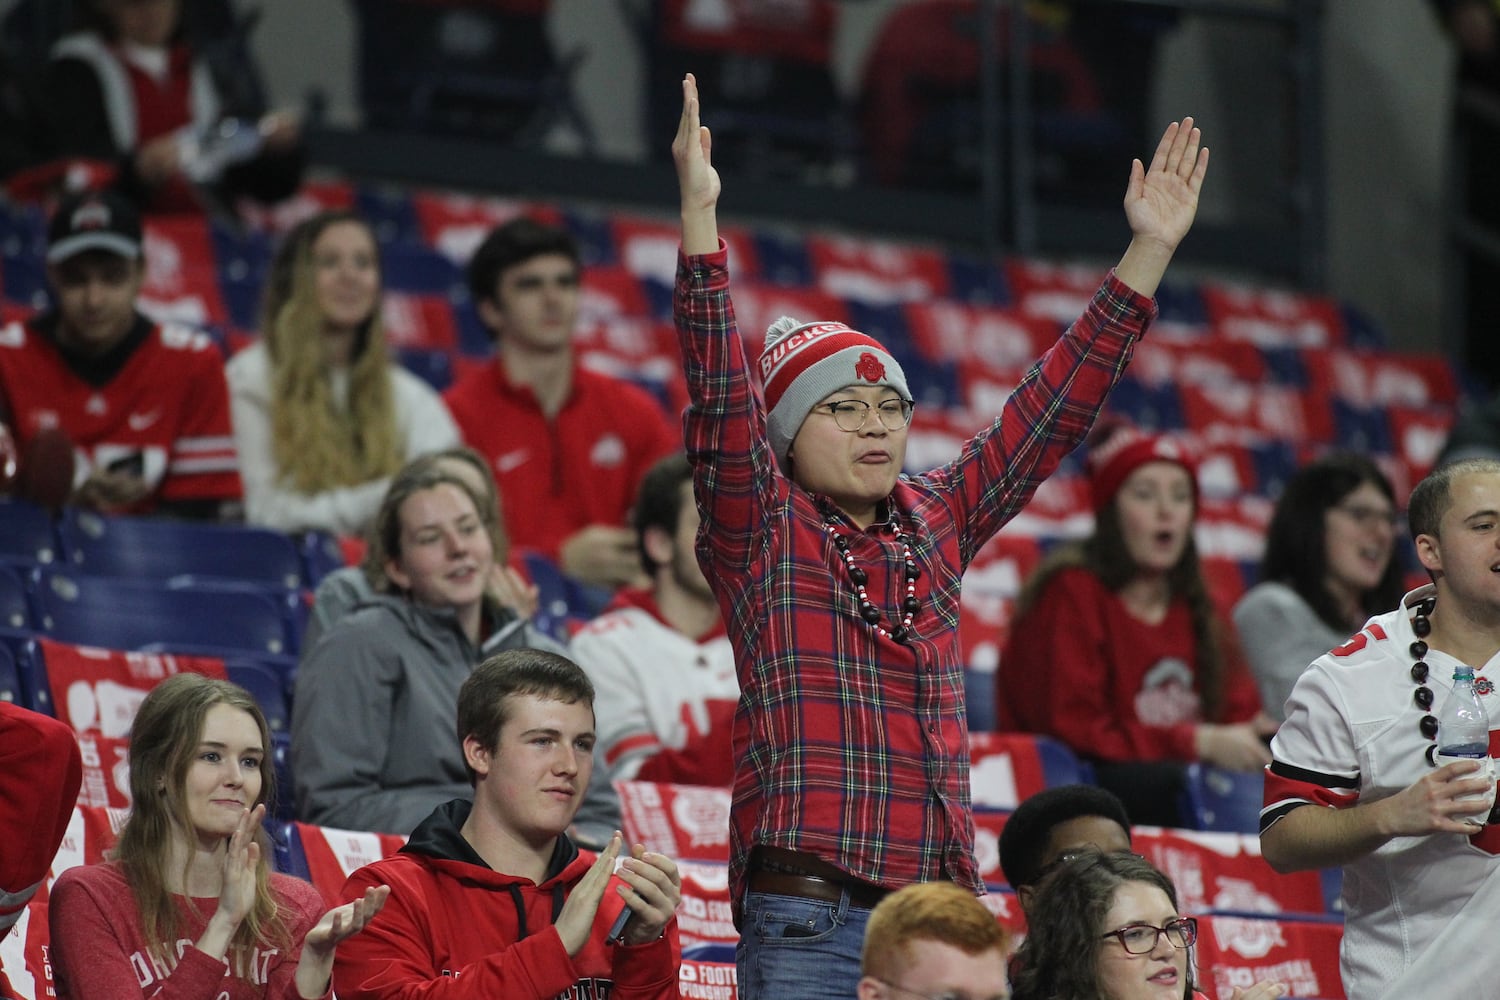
(577, 917)
(1434, 802)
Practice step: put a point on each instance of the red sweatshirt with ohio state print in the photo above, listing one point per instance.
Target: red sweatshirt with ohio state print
(454, 928)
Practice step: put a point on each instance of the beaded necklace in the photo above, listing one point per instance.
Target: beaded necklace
(1421, 626)
(910, 604)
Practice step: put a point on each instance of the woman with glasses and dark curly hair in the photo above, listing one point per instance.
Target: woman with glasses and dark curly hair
(1105, 926)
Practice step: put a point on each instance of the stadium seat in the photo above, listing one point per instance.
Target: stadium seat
(10, 680)
(266, 686)
(284, 806)
(26, 532)
(152, 549)
(321, 555)
(128, 614)
(31, 672)
(15, 606)
(1227, 801)
(286, 844)
(1006, 768)
(979, 694)
(710, 952)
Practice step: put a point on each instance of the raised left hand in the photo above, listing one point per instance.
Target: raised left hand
(1162, 200)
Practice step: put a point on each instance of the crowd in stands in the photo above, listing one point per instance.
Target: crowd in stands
(759, 597)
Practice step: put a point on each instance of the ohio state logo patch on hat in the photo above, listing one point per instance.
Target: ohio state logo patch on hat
(869, 368)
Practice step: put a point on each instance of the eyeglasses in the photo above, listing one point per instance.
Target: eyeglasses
(1370, 517)
(851, 414)
(1140, 939)
(1002, 993)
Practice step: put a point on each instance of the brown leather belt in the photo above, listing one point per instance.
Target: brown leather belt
(771, 871)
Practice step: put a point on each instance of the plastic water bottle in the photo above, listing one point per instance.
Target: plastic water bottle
(1464, 734)
(206, 153)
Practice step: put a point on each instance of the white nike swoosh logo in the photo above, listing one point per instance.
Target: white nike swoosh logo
(140, 421)
(511, 460)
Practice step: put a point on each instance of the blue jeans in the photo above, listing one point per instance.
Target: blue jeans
(792, 948)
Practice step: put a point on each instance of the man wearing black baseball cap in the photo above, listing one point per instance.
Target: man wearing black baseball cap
(108, 409)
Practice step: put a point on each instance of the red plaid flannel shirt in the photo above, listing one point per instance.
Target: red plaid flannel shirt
(849, 745)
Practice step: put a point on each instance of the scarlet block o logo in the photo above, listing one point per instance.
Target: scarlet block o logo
(869, 368)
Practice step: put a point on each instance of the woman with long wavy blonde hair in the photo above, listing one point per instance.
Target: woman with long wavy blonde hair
(322, 417)
(187, 906)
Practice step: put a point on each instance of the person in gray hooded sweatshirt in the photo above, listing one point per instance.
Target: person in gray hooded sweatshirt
(377, 691)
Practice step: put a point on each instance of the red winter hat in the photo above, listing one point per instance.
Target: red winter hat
(1121, 450)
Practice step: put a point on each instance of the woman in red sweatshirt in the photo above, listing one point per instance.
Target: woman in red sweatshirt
(1117, 649)
(187, 907)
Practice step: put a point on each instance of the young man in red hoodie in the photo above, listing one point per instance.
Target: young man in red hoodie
(493, 895)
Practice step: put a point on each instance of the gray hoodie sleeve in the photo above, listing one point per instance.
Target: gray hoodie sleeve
(359, 759)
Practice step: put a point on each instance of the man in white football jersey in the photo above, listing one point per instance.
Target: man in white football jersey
(1421, 873)
(659, 657)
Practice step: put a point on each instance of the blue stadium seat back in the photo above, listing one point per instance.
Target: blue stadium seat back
(150, 548)
(1361, 329)
(286, 846)
(595, 237)
(291, 603)
(23, 229)
(1363, 430)
(265, 685)
(242, 299)
(241, 255)
(1275, 463)
(474, 338)
(15, 597)
(433, 367)
(1181, 303)
(1223, 801)
(1060, 765)
(27, 532)
(284, 807)
(390, 212)
(1152, 408)
(784, 259)
(933, 384)
(1333, 889)
(411, 267)
(31, 670)
(977, 281)
(127, 614)
(559, 601)
(10, 679)
(887, 324)
(658, 298)
(23, 280)
(321, 555)
(979, 695)
(1285, 365)
(710, 951)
